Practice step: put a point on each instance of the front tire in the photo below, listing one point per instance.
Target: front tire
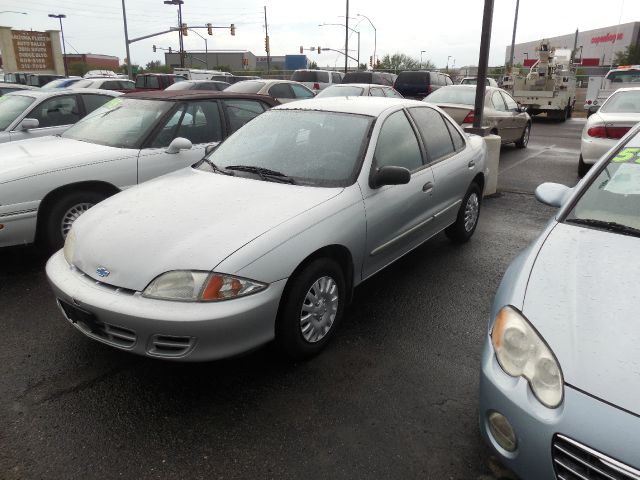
(468, 215)
(311, 309)
(524, 139)
(583, 168)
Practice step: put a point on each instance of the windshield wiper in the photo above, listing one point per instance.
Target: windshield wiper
(213, 166)
(610, 226)
(264, 173)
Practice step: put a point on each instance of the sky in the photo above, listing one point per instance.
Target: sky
(446, 31)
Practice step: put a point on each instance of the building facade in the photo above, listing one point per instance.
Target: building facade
(598, 47)
(234, 60)
(94, 61)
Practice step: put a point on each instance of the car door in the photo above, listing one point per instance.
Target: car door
(54, 115)
(283, 92)
(200, 122)
(452, 168)
(240, 111)
(518, 118)
(398, 216)
(499, 118)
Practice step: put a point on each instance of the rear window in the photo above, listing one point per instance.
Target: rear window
(624, 76)
(461, 96)
(310, 76)
(341, 91)
(413, 78)
(358, 77)
(247, 86)
(622, 102)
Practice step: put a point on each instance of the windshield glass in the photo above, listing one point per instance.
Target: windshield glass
(624, 76)
(312, 147)
(341, 91)
(614, 195)
(11, 107)
(310, 76)
(622, 102)
(122, 123)
(56, 83)
(246, 86)
(462, 96)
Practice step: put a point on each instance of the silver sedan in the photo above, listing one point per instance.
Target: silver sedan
(282, 90)
(266, 237)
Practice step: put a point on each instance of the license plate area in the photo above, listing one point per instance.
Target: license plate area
(77, 315)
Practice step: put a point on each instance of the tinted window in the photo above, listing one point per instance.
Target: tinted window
(310, 76)
(458, 141)
(512, 105)
(281, 90)
(376, 92)
(57, 111)
(397, 144)
(246, 86)
(153, 82)
(241, 111)
(434, 132)
(139, 82)
(336, 78)
(390, 92)
(413, 78)
(498, 102)
(300, 92)
(93, 101)
(341, 91)
(358, 77)
(126, 85)
(196, 121)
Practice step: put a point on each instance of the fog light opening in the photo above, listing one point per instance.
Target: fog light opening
(1, 226)
(502, 431)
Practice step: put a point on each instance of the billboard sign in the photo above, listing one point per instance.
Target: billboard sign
(32, 50)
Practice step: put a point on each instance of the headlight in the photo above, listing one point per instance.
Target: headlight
(521, 352)
(194, 286)
(69, 246)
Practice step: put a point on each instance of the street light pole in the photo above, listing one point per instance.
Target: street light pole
(13, 11)
(206, 48)
(60, 16)
(375, 40)
(346, 40)
(421, 52)
(448, 63)
(180, 40)
(513, 37)
(343, 25)
(126, 40)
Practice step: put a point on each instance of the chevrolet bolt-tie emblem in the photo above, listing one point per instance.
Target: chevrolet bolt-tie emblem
(102, 272)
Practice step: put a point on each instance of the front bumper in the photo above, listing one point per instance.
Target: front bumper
(580, 417)
(592, 149)
(187, 331)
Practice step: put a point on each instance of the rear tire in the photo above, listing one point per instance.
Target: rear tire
(468, 216)
(583, 168)
(524, 139)
(311, 309)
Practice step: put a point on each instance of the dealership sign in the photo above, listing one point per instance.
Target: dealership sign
(608, 38)
(32, 50)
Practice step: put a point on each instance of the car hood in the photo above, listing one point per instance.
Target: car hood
(187, 220)
(583, 298)
(26, 158)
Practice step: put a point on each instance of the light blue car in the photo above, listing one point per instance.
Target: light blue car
(560, 377)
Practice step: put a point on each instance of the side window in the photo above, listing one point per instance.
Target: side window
(153, 82)
(240, 112)
(110, 85)
(458, 141)
(300, 92)
(201, 123)
(93, 101)
(140, 81)
(434, 131)
(335, 78)
(448, 80)
(390, 92)
(498, 102)
(281, 90)
(397, 144)
(512, 105)
(126, 86)
(57, 111)
(376, 92)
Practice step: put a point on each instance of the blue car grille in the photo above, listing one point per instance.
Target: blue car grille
(574, 461)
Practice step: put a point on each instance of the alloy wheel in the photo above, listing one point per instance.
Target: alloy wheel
(471, 211)
(319, 309)
(72, 215)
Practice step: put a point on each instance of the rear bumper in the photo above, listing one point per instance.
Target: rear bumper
(592, 149)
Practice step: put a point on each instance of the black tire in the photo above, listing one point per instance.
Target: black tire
(524, 139)
(583, 168)
(52, 234)
(460, 232)
(289, 330)
(570, 112)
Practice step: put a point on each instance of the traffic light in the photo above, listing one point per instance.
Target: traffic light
(184, 30)
(266, 44)
(371, 61)
(319, 50)
(233, 29)
(209, 29)
(154, 48)
(301, 49)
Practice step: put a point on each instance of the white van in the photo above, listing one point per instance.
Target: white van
(317, 80)
(197, 74)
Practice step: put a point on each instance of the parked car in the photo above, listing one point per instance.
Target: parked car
(101, 73)
(489, 82)
(28, 114)
(282, 90)
(267, 236)
(560, 376)
(501, 114)
(358, 90)
(617, 115)
(106, 83)
(6, 87)
(379, 78)
(317, 80)
(61, 83)
(199, 85)
(47, 183)
(39, 79)
(156, 81)
(419, 84)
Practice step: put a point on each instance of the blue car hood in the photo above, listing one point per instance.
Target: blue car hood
(583, 296)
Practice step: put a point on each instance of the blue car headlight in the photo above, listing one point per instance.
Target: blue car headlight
(521, 352)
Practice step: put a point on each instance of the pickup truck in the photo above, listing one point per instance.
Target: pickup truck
(155, 81)
(599, 88)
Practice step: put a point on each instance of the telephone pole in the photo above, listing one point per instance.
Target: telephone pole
(266, 36)
(346, 40)
(513, 37)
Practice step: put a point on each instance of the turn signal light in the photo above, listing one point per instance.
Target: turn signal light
(469, 118)
(607, 132)
(316, 86)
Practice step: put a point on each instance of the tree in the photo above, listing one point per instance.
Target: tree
(362, 66)
(630, 56)
(313, 66)
(400, 61)
(78, 68)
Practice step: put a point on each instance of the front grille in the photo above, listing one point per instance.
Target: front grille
(574, 461)
(170, 345)
(106, 286)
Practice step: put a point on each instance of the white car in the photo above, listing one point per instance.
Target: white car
(617, 115)
(282, 90)
(317, 80)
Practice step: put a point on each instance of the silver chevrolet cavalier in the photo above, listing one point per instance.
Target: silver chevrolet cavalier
(560, 376)
(267, 236)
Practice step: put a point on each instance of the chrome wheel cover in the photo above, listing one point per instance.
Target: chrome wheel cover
(319, 309)
(72, 215)
(471, 210)
(525, 136)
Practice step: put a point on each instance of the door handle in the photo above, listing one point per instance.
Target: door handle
(471, 164)
(427, 187)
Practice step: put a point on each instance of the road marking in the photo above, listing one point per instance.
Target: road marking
(525, 159)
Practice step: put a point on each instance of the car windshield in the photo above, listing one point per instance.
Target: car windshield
(310, 76)
(56, 83)
(341, 91)
(624, 76)
(311, 147)
(622, 102)
(473, 81)
(11, 107)
(246, 86)
(121, 122)
(461, 96)
(182, 86)
(613, 197)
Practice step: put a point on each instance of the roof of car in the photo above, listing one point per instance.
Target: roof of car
(361, 85)
(62, 91)
(176, 95)
(372, 106)
(18, 86)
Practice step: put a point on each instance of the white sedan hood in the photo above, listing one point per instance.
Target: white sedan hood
(582, 297)
(187, 220)
(35, 156)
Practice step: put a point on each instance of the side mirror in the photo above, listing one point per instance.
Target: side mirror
(178, 144)
(522, 108)
(390, 176)
(210, 148)
(552, 194)
(29, 123)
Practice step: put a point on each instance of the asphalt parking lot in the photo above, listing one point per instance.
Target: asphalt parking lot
(394, 396)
